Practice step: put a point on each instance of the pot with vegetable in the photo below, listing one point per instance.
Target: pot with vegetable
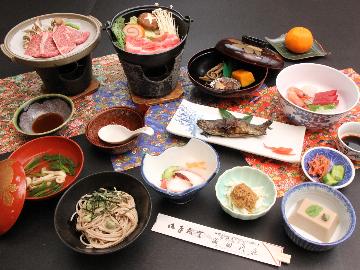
(149, 41)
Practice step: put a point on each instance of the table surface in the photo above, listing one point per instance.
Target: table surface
(33, 244)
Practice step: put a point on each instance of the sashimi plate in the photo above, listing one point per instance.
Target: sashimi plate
(184, 124)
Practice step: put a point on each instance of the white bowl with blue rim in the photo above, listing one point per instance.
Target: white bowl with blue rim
(336, 158)
(329, 198)
(321, 78)
(195, 150)
(253, 178)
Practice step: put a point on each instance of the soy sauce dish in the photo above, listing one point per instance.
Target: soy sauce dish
(43, 115)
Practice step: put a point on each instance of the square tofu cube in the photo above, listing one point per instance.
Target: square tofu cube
(315, 219)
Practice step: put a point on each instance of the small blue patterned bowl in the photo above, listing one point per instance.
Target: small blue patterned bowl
(336, 158)
(328, 197)
(195, 150)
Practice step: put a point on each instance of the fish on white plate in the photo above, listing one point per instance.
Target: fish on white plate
(281, 141)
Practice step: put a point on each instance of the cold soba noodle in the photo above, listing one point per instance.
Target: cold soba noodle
(105, 217)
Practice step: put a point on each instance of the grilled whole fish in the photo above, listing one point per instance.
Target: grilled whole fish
(232, 128)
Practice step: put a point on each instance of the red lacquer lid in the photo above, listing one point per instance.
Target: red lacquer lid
(12, 193)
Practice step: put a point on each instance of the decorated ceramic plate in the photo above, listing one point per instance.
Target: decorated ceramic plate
(279, 44)
(184, 123)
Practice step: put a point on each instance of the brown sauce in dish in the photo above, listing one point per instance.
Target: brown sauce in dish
(46, 122)
(353, 141)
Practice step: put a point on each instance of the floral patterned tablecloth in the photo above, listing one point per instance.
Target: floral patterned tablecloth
(114, 92)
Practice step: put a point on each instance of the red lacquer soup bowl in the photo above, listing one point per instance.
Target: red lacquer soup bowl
(50, 145)
(12, 193)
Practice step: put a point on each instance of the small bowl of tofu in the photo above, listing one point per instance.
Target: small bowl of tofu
(328, 166)
(317, 217)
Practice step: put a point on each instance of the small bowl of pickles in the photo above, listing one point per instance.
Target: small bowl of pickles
(328, 166)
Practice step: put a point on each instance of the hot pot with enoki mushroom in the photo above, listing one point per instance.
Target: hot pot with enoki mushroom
(149, 41)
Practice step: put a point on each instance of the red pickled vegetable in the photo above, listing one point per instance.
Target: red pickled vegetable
(280, 150)
(319, 166)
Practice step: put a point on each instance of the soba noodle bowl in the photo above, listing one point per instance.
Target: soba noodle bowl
(105, 218)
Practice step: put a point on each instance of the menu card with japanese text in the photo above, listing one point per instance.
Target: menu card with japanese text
(220, 240)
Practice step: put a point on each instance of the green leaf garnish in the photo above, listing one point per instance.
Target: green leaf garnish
(225, 114)
(313, 210)
(117, 29)
(247, 118)
(314, 108)
(32, 164)
(59, 162)
(72, 25)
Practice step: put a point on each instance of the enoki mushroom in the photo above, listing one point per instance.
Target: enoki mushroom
(165, 21)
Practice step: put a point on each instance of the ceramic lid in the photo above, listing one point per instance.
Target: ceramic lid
(250, 51)
(12, 193)
(13, 42)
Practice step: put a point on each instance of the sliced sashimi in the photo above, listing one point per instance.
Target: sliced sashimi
(178, 184)
(192, 177)
(325, 100)
(326, 97)
(326, 93)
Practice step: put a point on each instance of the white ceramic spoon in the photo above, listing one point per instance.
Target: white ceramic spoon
(116, 134)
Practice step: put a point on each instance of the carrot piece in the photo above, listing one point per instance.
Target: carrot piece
(163, 184)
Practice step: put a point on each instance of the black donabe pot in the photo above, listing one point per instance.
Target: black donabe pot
(151, 60)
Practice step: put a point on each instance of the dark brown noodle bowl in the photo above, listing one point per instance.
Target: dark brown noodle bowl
(66, 208)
